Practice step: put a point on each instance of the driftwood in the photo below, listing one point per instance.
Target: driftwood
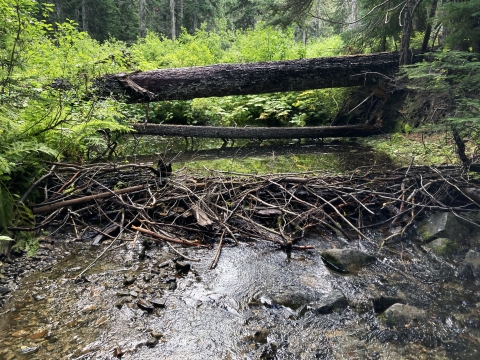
(313, 132)
(251, 78)
(62, 204)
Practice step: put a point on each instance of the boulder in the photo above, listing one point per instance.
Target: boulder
(4, 290)
(346, 260)
(470, 268)
(443, 225)
(399, 315)
(383, 302)
(442, 246)
(329, 303)
(293, 297)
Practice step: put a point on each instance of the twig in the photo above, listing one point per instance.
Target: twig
(182, 255)
(217, 253)
(35, 184)
(166, 238)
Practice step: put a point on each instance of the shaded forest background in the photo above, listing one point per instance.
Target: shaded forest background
(50, 54)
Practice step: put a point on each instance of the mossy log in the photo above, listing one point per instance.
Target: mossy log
(309, 132)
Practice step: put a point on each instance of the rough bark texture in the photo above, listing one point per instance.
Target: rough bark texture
(256, 132)
(428, 30)
(252, 78)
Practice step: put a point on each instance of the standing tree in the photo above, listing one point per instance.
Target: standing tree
(172, 19)
(143, 20)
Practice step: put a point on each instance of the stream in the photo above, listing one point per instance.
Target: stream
(141, 300)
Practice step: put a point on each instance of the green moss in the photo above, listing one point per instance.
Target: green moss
(442, 246)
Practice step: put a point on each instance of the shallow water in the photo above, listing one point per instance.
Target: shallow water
(251, 306)
(265, 157)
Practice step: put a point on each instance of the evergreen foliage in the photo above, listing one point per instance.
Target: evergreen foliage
(454, 77)
(462, 23)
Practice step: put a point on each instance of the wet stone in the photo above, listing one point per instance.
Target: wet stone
(38, 297)
(442, 246)
(20, 333)
(400, 315)
(443, 225)
(42, 252)
(39, 334)
(346, 260)
(152, 341)
(182, 267)
(260, 337)
(329, 303)
(4, 290)
(470, 268)
(383, 302)
(159, 302)
(360, 306)
(24, 350)
(156, 334)
(123, 293)
(292, 297)
(123, 301)
(145, 304)
(129, 280)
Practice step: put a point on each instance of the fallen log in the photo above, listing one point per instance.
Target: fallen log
(310, 132)
(250, 78)
(61, 204)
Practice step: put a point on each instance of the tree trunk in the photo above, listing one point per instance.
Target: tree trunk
(59, 10)
(84, 16)
(352, 18)
(312, 132)
(195, 16)
(252, 78)
(143, 19)
(181, 25)
(428, 30)
(172, 19)
(406, 57)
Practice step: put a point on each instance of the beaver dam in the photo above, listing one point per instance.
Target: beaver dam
(243, 266)
(224, 209)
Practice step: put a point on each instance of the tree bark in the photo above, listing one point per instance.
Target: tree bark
(84, 16)
(180, 15)
(195, 15)
(107, 194)
(172, 19)
(143, 19)
(313, 132)
(428, 30)
(251, 78)
(406, 56)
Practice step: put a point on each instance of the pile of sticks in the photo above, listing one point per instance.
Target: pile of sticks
(225, 208)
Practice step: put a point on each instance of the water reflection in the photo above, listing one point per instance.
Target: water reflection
(264, 157)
